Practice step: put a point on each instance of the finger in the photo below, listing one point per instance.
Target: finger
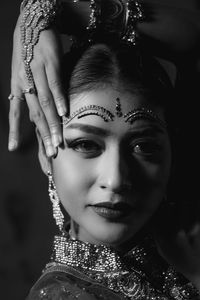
(55, 84)
(38, 117)
(48, 107)
(14, 120)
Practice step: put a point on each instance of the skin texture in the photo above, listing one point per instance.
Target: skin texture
(116, 168)
(49, 103)
(112, 167)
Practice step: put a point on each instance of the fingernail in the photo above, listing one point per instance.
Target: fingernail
(56, 140)
(55, 155)
(12, 145)
(50, 151)
(61, 111)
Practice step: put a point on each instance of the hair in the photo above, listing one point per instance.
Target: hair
(118, 65)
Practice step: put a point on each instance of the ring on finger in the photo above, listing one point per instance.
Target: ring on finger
(30, 90)
(11, 97)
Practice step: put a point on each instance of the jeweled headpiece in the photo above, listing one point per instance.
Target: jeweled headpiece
(114, 20)
(108, 116)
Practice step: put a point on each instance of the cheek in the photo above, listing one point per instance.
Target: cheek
(151, 183)
(73, 179)
(157, 173)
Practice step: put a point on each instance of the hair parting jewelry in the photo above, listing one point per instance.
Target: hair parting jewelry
(57, 213)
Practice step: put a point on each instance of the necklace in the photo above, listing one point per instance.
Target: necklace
(105, 266)
(141, 274)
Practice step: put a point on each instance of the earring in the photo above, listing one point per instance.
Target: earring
(57, 213)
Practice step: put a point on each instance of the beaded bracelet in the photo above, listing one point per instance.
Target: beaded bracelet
(36, 16)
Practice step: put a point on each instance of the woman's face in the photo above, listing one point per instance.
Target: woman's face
(112, 173)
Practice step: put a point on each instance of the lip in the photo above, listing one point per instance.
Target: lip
(112, 211)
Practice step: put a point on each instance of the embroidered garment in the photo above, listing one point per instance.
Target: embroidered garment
(84, 271)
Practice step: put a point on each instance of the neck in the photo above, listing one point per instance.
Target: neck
(123, 248)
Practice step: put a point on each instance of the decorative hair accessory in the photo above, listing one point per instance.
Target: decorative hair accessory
(107, 116)
(115, 18)
(37, 15)
(57, 213)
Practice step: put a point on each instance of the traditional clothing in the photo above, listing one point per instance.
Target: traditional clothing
(85, 271)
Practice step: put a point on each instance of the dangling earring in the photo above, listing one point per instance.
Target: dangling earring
(57, 213)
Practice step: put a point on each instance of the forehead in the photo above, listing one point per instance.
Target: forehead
(113, 110)
(107, 98)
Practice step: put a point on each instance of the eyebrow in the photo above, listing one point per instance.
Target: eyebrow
(151, 129)
(91, 129)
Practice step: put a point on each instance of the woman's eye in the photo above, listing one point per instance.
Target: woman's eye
(85, 146)
(146, 148)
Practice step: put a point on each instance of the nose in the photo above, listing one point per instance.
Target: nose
(114, 171)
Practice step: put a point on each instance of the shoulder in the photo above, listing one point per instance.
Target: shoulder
(62, 285)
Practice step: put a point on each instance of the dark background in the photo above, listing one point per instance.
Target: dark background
(26, 223)
(26, 226)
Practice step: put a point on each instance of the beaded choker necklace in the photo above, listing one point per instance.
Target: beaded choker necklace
(105, 266)
(126, 275)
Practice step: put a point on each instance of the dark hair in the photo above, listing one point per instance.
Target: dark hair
(102, 64)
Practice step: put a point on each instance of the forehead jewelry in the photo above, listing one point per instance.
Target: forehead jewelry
(118, 108)
(89, 110)
(107, 116)
(143, 113)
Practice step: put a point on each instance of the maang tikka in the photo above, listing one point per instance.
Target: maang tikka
(57, 213)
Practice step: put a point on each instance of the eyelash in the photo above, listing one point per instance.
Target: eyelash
(90, 148)
(79, 145)
(151, 147)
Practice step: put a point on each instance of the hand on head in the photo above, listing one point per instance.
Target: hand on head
(48, 100)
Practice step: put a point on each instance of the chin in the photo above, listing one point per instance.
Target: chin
(111, 234)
